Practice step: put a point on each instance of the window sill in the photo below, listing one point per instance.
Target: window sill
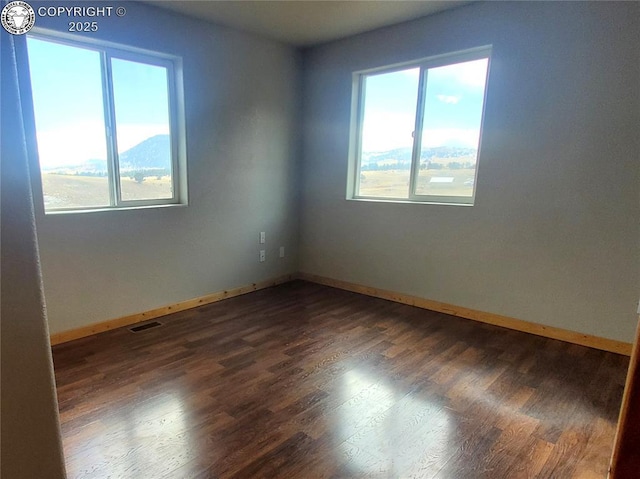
(408, 202)
(103, 210)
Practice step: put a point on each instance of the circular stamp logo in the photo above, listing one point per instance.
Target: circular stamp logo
(18, 17)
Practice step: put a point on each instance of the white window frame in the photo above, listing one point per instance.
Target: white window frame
(177, 130)
(357, 115)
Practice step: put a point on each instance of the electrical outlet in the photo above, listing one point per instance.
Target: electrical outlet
(263, 255)
(262, 237)
(282, 251)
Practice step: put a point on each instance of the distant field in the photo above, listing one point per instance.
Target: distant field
(68, 191)
(395, 183)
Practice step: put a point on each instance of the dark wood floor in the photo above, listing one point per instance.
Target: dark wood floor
(306, 381)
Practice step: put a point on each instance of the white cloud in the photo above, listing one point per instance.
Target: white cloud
(472, 73)
(462, 137)
(383, 132)
(450, 99)
(73, 144)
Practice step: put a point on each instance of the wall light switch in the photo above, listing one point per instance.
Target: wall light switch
(262, 237)
(282, 251)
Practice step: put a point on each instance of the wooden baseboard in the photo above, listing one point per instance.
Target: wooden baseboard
(96, 328)
(552, 332)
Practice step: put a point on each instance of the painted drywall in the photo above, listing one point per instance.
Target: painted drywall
(31, 444)
(242, 103)
(553, 237)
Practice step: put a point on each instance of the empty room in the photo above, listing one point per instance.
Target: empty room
(320, 239)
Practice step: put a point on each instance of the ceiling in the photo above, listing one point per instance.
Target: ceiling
(304, 23)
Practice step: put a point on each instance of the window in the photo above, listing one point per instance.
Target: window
(417, 129)
(109, 125)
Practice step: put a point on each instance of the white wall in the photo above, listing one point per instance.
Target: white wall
(553, 236)
(242, 104)
(31, 444)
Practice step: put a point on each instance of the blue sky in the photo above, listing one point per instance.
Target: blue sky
(453, 107)
(67, 88)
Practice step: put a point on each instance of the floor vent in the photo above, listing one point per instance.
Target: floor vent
(145, 326)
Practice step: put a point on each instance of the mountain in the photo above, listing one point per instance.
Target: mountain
(94, 165)
(398, 154)
(154, 152)
(403, 155)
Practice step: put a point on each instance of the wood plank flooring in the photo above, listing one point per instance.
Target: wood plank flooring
(307, 381)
